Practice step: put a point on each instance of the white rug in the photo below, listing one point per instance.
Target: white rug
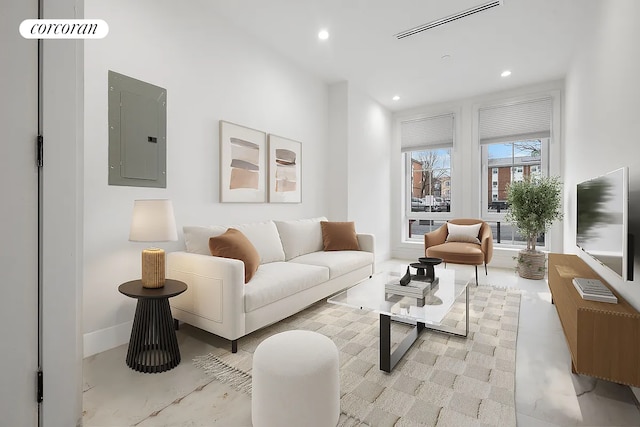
(443, 380)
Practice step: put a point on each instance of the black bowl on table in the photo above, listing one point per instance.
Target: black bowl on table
(430, 260)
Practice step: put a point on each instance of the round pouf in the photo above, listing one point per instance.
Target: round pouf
(295, 381)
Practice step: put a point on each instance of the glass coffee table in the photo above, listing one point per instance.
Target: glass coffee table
(423, 313)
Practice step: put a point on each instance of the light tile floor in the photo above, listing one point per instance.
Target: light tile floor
(547, 393)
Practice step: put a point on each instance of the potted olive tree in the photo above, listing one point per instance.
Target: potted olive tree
(534, 204)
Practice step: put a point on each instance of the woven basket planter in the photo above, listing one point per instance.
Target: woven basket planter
(531, 264)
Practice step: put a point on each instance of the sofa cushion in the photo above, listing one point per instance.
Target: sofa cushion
(300, 237)
(278, 280)
(233, 244)
(339, 236)
(463, 233)
(196, 239)
(264, 236)
(338, 262)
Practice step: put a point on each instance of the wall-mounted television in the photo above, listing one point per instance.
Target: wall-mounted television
(603, 221)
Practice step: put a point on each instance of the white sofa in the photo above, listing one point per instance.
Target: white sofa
(294, 273)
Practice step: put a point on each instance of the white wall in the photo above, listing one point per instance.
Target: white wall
(212, 72)
(465, 182)
(602, 125)
(359, 150)
(338, 153)
(368, 179)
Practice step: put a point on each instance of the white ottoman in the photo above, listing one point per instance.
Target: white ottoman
(295, 381)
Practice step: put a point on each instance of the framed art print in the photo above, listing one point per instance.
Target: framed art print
(242, 164)
(285, 170)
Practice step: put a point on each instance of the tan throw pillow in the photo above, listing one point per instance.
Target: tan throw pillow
(463, 233)
(339, 236)
(234, 244)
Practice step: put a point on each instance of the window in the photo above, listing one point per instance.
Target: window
(430, 179)
(514, 142)
(427, 146)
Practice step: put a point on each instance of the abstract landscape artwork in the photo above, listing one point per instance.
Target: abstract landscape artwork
(242, 164)
(285, 170)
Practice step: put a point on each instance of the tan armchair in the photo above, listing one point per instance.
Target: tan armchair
(436, 245)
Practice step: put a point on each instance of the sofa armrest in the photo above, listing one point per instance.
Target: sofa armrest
(435, 237)
(367, 242)
(215, 291)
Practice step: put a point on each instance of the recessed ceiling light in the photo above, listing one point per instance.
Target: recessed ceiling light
(396, 98)
(323, 34)
(505, 73)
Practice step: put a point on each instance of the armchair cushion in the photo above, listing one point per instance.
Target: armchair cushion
(457, 253)
(463, 233)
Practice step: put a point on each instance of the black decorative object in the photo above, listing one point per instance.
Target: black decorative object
(404, 281)
(425, 271)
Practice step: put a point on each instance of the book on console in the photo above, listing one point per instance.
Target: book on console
(593, 290)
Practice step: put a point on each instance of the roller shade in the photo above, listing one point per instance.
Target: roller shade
(515, 122)
(431, 132)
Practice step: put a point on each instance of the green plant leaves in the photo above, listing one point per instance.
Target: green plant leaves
(534, 204)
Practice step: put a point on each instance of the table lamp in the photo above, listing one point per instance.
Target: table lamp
(153, 221)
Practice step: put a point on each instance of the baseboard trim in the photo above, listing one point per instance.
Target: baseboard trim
(106, 339)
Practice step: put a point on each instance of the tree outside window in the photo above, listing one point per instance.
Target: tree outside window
(431, 179)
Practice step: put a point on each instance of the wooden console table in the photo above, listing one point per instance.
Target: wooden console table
(603, 338)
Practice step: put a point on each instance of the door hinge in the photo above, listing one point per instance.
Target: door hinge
(39, 151)
(40, 386)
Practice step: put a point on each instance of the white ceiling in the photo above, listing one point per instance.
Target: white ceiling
(535, 39)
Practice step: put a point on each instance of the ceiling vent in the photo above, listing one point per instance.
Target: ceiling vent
(448, 19)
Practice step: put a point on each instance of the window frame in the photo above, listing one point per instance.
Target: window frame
(405, 160)
(547, 167)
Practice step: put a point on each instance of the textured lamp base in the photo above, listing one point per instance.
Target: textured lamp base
(153, 268)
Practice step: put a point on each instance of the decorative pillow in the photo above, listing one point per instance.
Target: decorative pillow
(196, 239)
(339, 236)
(300, 237)
(463, 233)
(234, 244)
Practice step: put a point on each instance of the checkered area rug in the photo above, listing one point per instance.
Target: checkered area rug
(443, 380)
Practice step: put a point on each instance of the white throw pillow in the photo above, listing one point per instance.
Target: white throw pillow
(264, 236)
(196, 238)
(300, 237)
(463, 233)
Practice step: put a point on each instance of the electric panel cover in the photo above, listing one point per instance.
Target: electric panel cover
(137, 133)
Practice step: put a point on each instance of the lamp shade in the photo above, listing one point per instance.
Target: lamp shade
(153, 221)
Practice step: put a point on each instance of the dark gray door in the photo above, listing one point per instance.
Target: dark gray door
(18, 218)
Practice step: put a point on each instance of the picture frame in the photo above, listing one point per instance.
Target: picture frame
(243, 164)
(285, 170)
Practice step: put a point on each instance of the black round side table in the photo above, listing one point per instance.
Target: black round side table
(153, 346)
